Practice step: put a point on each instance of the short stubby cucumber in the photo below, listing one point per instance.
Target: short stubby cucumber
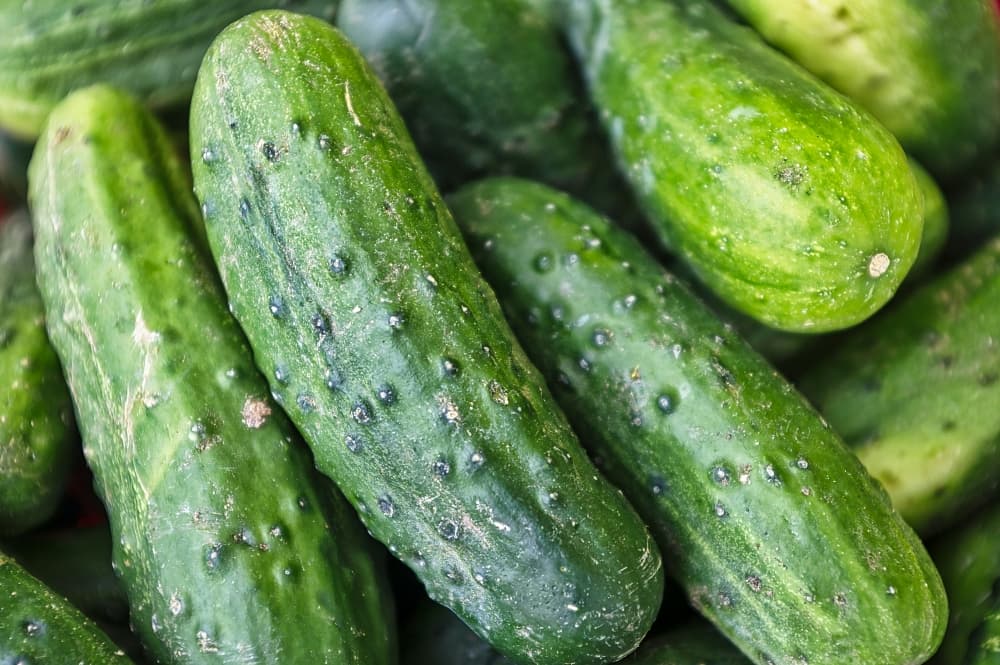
(37, 438)
(149, 47)
(969, 561)
(916, 393)
(486, 87)
(789, 202)
(229, 545)
(929, 71)
(767, 520)
(39, 626)
(391, 354)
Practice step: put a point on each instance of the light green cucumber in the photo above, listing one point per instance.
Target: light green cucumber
(37, 438)
(788, 201)
(391, 355)
(928, 70)
(149, 47)
(771, 525)
(230, 547)
(915, 392)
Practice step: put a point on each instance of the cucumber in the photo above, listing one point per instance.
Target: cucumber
(149, 47)
(229, 546)
(790, 203)
(39, 626)
(969, 561)
(76, 564)
(486, 87)
(770, 524)
(929, 71)
(935, 223)
(37, 441)
(915, 393)
(392, 357)
(437, 636)
(985, 647)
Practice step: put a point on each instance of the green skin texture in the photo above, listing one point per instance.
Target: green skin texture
(741, 481)
(985, 649)
(969, 561)
(437, 636)
(929, 70)
(784, 198)
(486, 87)
(37, 439)
(76, 564)
(349, 276)
(149, 47)
(230, 547)
(39, 626)
(915, 393)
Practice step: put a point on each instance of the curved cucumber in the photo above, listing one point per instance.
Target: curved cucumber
(741, 481)
(486, 87)
(391, 355)
(149, 47)
(37, 440)
(969, 561)
(915, 392)
(229, 546)
(790, 203)
(929, 71)
(39, 626)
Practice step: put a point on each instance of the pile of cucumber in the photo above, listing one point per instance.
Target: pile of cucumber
(470, 332)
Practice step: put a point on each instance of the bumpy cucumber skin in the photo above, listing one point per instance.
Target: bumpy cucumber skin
(391, 354)
(486, 87)
(969, 561)
(916, 393)
(792, 204)
(228, 544)
(936, 223)
(39, 626)
(36, 432)
(741, 481)
(149, 47)
(929, 71)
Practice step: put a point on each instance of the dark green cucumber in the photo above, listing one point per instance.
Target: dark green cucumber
(149, 47)
(37, 440)
(916, 393)
(486, 87)
(766, 519)
(391, 355)
(969, 561)
(984, 648)
(789, 202)
(437, 636)
(76, 564)
(230, 547)
(37, 625)
(929, 71)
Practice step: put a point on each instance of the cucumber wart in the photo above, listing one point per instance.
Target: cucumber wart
(391, 355)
